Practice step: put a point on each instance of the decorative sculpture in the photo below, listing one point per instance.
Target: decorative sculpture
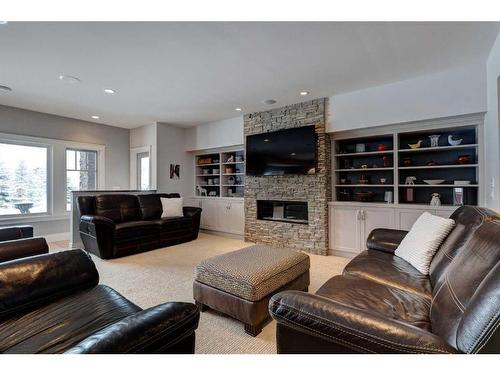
(410, 180)
(202, 192)
(435, 201)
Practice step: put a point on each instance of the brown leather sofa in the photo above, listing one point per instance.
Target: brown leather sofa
(116, 225)
(53, 304)
(381, 304)
(17, 242)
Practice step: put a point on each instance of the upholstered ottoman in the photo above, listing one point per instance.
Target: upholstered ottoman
(240, 283)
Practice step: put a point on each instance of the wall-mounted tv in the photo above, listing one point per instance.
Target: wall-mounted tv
(284, 152)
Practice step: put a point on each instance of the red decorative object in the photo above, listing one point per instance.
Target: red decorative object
(382, 147)
(384, 159)
(407, 162)
(431, 163)
(464, 159)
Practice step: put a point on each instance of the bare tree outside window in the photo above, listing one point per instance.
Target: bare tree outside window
(81, 172)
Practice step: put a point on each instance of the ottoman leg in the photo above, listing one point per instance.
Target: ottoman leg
(253, 330)
(201, 306)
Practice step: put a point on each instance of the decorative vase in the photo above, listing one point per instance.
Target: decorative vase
(434, 140)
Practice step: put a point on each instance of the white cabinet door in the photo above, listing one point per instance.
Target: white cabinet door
(237, 215)
(406, 217)
(223, 219)
(373, 218)
(345, 230)
(192, 202)
(209, 214)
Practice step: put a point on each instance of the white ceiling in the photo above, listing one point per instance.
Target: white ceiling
(190, 73)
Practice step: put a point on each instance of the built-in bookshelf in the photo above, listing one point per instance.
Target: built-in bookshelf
(408, 167)
(220, 174)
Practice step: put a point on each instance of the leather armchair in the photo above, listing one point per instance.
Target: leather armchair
(17, 242)
(53, 304)
(386, 240)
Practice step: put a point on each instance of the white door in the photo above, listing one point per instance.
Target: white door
(209, 216)
(237, 217)
(376, 218)
(346, 229)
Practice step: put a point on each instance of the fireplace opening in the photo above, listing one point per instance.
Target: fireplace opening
(285, 211)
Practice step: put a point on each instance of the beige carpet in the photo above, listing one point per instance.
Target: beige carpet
(166, 274)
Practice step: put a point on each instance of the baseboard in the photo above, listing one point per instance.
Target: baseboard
(343, 254)
(54, 237)
(223, 234)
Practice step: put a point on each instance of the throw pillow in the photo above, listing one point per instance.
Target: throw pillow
(423, 240)
(172, 207)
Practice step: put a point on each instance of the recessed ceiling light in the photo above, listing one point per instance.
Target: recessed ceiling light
(269, 101)
(5, 88)
(266, 140)
(293, 154)
(95, 117)
(109, 91)
(4, 22)
(238, 109)
(304, 93)
(69, 79)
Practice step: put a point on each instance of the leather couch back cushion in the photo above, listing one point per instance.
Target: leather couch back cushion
(150, 205)
(86, 205)
(118, 207)
(34, 281)
(467, 219)
(466, 301)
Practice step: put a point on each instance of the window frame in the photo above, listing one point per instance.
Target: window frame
(98, 167)
(21, 141)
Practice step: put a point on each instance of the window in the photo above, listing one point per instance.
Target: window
(143, 170)
(81, 172)
(23, 179)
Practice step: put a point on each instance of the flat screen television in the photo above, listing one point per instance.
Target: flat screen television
(284, 152)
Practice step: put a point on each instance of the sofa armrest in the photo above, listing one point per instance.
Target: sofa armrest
(158, 329)
(95, 219)
(386, 240)
(347, 329)
(16, 232)
(10, 250)
(29, 282)
(191, 211)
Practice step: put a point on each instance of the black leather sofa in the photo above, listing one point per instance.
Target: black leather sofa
(381, 304)
(17, 242)
(53, 304)
(116, 225)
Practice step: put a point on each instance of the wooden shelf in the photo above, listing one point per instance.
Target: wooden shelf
(364, 185)
(364, 169)
(233, 174)
(439, 148)
(438, 185)
(208, 175)
(208, 165)
(441, 166)
(367, 153)
(233, 162)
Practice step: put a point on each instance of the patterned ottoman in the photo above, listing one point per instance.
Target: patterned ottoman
(240, 283)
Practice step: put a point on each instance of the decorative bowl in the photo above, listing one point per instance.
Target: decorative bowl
(434, 182)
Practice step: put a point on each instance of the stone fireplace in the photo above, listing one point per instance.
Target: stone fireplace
(289, 194)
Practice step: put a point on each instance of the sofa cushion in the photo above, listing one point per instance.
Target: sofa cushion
(389, 269)
(381, 299)
(135, 230)
(58, 326)
(150, 205)
(172, 224)
(423, 240)
(465, 307)
(118, 207)
(467, 220)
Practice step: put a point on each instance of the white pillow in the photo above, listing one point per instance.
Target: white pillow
(423, 240)
(172, 207)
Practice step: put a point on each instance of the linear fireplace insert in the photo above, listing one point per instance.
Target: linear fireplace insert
(285, 211)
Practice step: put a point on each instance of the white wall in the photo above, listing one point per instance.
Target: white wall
(449, 93)
(144, 136)
(35, 124)
(171, 150)
(491, 127)
(217, 134)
